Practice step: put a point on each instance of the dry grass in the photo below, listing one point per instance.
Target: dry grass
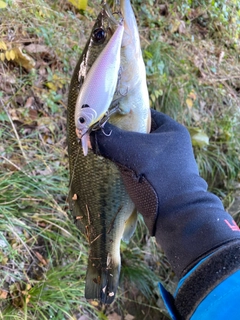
(43, 257)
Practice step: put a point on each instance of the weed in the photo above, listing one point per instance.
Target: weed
(192, 64)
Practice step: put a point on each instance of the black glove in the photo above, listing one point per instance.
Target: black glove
(162, 178)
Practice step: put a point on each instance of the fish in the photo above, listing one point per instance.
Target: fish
(100, 204)
(102, 81)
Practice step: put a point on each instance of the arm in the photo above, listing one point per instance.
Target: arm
(162, 178)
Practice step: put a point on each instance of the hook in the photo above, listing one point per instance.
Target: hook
(106, 134)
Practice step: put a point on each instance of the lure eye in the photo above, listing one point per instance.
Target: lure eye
(81, 120)
(85, 106)
(99, 34)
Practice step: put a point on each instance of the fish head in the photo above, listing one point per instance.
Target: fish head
(102, 31)
(104, 27)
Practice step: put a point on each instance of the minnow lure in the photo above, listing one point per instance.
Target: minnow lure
(98, 88)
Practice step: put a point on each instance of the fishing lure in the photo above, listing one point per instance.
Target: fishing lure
(98, 88)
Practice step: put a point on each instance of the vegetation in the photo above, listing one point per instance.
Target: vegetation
(191, 52)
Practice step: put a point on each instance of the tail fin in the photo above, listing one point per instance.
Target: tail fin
(102, 283)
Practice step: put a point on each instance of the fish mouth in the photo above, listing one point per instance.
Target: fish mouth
(85, 142)
(83, 135)
(110, 15)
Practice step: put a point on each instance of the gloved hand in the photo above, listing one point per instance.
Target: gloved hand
(162, 178)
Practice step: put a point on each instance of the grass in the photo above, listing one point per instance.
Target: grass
(42, 258)
(194, 79)
(193, 75)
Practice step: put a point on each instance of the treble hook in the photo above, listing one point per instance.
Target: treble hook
(106, 134)
(100, 125)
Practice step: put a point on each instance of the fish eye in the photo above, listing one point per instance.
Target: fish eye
(81, 120)
(99, 34)
(85, 106)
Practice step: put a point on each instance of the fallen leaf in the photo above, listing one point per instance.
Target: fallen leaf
(37, 48)
(190, 99)
(46, 124)
(114, 316)
(198, 62)
(79, 4)
(12, 54)
(3, 45)
(2, 4)
(16, 295)
(33, 114)
(199, 137)
(174, 26)
(28, 286)
(42, 224)
(8, 78)
(182, 27)
(40, 258)
(29, 102)
(4, 260)
(51, 86)
(195, 114)
(23, 59)
(84, 317)
(7, 55)
(94, 303)
(221, 56)
(189, 103)
(74, 197)
(27, 299)
(2, 56)
(192, 95)
(3, 294)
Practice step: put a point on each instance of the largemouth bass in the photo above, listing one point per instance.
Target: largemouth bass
(100, 203)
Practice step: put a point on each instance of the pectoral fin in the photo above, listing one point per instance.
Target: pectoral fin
(130, 226)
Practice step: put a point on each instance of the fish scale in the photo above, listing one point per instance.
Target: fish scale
(101, 206)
